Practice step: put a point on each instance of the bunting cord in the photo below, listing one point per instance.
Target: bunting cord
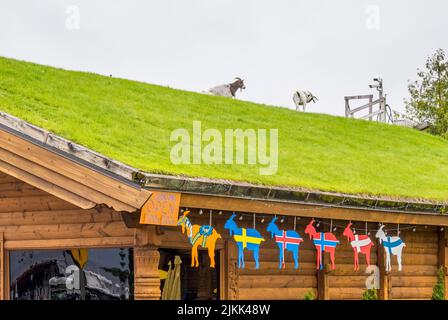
(318, 221)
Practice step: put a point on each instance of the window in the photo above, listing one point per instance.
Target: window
(54, 275)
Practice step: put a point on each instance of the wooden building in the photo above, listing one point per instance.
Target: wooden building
(57, 195)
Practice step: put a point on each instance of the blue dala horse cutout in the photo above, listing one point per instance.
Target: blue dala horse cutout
(289, 240)
(244, 238)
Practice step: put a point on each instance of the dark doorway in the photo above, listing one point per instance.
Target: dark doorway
(201, 283)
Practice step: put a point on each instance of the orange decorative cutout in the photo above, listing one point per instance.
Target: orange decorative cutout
(161, 209)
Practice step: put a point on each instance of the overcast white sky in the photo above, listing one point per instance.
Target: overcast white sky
(332, 48)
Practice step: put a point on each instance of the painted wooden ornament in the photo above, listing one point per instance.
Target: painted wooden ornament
(324, 242)
(244, 238)
(360, 244)
(392, 245)
(204, 236)
(285, 239)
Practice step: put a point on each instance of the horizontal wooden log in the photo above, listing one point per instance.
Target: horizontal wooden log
(280, 281)
(274, 293)
(347, 269)
(66, 231)
(417, 259)
(271, 268)
(346, 293)
(347, 281)
(411, 293)
(413, 281)
(57, 217)
(108, 242)
(412, 270)
(49, 202)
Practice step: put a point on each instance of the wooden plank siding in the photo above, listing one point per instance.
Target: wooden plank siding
(415, 281)
(33, 219)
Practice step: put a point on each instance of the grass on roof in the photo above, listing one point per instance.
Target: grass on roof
(132, 121)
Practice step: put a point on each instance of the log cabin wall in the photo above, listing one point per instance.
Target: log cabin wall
(415, 281)
(344, 282)
(33, 219)
(420, 265)
(268, 282)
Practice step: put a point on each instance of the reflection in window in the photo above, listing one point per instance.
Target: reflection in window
(54, 275)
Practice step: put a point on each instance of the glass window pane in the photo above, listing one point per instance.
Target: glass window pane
(54, 275)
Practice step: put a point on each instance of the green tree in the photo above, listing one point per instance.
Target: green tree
(428, 99)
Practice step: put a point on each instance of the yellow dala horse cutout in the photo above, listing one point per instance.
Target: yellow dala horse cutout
(204, 236)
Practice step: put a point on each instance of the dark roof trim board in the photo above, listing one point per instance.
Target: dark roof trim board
(213, 187)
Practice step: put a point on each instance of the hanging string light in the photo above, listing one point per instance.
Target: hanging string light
(262, 219)
(282, 219)
(200, 212)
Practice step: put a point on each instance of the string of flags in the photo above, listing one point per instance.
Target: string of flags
(290, 240)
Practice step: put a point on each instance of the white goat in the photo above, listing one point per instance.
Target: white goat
(228, 90)
(302, 97)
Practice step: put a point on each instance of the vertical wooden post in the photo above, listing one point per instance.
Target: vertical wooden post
(2, 268)
(385, 277)
(322, 280)
(443, 256)
(233, 272)
(146, 264)
(224, 262)
(370, 107)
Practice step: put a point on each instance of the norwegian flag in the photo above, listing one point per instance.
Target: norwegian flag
(323, 243)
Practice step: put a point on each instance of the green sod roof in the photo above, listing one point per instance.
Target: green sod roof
(132, 121)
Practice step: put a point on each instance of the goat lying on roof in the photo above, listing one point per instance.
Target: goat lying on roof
(302, 97)
(228, 90)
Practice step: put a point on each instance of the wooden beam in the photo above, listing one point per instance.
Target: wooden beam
(385, 278)
(36, 157)
(105, 242)
(46, 186)
(74, 188)
(147, 236)
(7, 278)
(322, 285)
(2, 268)
(312, 211)
(443, 256)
